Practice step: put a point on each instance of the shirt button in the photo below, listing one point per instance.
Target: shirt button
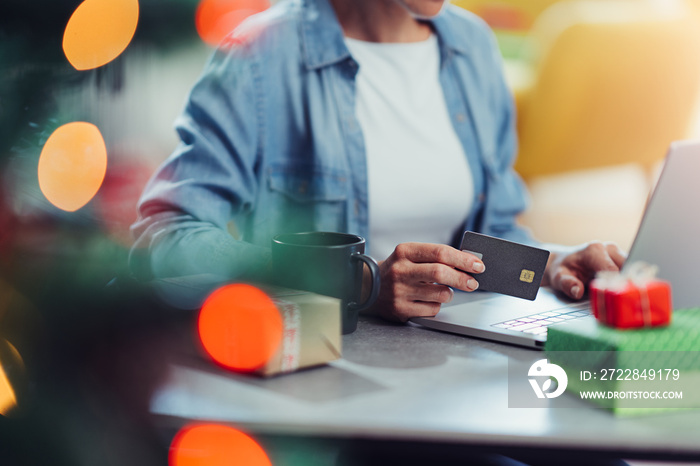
(482, 197)
(461, 117)
(303, 187)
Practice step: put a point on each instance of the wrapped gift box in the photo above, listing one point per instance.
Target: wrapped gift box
(311, 323)
(312, 331)
(632, 300)
(266, 330)
(586, 345)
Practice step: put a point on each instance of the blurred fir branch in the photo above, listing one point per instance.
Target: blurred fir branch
(34, 67)
(33, 72)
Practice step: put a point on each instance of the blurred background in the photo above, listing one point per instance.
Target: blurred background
(602, 87)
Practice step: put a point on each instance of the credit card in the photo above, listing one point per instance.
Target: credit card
(511, 268)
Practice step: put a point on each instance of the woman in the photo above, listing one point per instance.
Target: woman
(385, 118)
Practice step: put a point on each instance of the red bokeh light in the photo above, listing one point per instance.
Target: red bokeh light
(215, 445)
(240, 327)
(215, 19)
(118, 197)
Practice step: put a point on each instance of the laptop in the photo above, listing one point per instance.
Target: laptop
(668, 237)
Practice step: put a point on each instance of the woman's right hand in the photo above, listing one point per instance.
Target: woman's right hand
(417, 278)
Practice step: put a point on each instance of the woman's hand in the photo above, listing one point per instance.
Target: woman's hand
(570, 269)
(418, 277)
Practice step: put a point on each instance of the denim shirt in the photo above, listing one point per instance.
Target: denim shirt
(270, 144)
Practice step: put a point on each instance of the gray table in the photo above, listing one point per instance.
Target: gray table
(408, 383)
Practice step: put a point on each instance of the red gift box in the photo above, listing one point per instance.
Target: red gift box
(631, 300)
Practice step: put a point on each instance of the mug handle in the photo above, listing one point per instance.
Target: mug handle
(374, 273)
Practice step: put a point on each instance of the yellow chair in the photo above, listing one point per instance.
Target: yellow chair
(615, 82)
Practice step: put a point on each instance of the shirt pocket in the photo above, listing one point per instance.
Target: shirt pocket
(311, 197)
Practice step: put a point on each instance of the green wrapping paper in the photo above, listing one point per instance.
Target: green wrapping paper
(631, 362)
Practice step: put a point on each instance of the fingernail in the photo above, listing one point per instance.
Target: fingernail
(472, 284)
(478, 267)
(575, 291)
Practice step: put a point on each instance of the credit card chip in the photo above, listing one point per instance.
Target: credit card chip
(527, 276)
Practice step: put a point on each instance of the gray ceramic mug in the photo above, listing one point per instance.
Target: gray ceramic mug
(326, 263)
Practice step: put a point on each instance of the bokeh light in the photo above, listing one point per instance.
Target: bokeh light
(240, 327)
(119, 194)
(215, 445)
(98, 31)
(215, 19)
(11, 369)
(9, 226)
(72, 165)
(8, 400)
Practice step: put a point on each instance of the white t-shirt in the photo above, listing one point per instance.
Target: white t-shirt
(420, 184)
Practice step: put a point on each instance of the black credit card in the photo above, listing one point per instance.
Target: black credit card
(511, 268)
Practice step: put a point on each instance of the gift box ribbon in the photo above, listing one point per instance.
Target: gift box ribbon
(291, 341)
(637, 274)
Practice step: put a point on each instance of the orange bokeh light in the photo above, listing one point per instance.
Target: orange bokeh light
(215, 19)
(72, 165)
(8, 400)
(98, 31)
(240, 327)
(215, 445)
(11, 360)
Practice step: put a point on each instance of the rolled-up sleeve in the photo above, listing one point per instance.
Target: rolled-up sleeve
(208, 181)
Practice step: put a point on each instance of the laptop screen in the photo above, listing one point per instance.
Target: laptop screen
(669, 233)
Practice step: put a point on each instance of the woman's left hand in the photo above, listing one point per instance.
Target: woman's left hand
(569, 270)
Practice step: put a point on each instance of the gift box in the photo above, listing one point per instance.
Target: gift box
(301, 329)
(631, 299)
(266, 330)
(598, 358)
(312, 331)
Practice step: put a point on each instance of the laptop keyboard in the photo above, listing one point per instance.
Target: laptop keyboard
(537, 323)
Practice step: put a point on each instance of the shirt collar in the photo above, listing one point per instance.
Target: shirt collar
(447, 32)
(322, 37)
(323, 43)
